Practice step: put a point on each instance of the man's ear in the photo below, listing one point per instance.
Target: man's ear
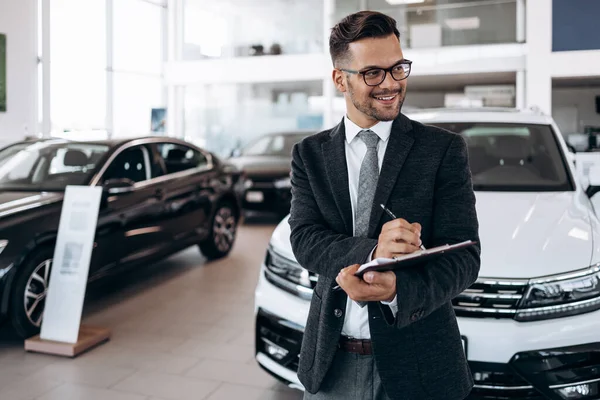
(338, 80)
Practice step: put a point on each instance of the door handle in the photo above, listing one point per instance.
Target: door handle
(159, 194)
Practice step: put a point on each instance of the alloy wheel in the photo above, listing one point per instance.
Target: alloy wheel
(224, 228)
(35, 292)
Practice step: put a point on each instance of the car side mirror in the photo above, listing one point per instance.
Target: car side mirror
(118, 186)
(594, 181)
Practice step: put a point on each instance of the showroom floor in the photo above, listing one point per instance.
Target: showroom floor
(182, 329)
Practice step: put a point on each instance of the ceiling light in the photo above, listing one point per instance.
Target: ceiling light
(398, 2)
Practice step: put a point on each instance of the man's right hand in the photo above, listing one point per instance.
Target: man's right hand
(398, 237)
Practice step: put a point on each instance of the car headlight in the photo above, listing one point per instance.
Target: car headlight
(287, 269)
(283, 183)
(561, 296)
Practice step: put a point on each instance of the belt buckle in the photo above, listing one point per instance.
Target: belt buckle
(363, 347)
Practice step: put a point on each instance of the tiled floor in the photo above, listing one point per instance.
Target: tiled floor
(182, 329)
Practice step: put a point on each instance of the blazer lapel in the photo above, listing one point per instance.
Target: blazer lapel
(396, 152)
(334, 154)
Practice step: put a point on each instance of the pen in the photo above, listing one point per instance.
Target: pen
(391, 214)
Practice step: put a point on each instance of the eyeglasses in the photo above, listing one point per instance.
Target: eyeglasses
(375, 76)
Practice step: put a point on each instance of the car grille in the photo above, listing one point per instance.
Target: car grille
(273, 330)
(490, 298)
(498, 381)
(484, 299)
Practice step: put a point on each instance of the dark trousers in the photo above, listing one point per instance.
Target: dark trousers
(351, 377)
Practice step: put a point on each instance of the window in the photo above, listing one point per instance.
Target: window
(223, 117)
(234, 28)
(130, 164)
(78, 73)
(513, 157)
(48, 166)
(179, 158)
(275, 145)
(133, 99)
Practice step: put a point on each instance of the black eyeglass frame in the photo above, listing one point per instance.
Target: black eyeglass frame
(385, 72)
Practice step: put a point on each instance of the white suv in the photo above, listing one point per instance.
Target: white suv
(531, 321)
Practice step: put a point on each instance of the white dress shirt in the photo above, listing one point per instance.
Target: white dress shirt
(356, 323)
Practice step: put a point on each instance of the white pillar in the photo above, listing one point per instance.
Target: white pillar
(328, 87)
(520, 98)
(521, 25)
(46, 121)
(538, 79)
(109, 118)
(175, 51)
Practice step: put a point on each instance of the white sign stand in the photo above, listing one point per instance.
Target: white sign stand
(61, 333)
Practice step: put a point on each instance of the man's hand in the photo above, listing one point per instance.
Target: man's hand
(375, 286)
(398, 237)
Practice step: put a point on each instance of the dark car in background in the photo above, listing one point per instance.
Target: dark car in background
(160, 196)
(266, 163)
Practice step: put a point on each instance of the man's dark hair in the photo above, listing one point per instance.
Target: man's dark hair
(357, 26)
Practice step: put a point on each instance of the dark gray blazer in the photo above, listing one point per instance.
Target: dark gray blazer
(425, 178)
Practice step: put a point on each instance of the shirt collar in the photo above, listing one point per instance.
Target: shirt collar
(382, 129)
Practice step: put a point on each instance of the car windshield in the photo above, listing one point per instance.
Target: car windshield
(513, 157)
(273, 145)
(48, 166)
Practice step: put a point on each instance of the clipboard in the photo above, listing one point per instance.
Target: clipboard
(388, 264)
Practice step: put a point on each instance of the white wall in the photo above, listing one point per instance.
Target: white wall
(575, 108)
(18, 23)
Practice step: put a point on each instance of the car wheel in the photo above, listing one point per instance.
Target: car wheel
(28, 296)
(222, 233)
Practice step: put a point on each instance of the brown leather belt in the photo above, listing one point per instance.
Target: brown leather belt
(357, 346)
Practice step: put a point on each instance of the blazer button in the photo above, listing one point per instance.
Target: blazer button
(337, 312)
(414, 316)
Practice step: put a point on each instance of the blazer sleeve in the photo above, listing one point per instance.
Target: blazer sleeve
(316, 247)
(424, 289)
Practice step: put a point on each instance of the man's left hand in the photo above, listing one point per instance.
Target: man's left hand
(374, 286)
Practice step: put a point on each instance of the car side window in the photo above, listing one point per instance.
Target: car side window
(129, 164)
(179, 158)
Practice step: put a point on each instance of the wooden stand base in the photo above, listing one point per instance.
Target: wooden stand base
(89, 337)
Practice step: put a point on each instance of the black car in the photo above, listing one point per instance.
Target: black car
(160, 195)
(266, 162)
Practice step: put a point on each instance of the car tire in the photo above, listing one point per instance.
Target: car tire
(223, 228)
(26, 312)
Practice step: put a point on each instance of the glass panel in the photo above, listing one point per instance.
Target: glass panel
(238, 28)
(48, 165)
(513, 157)
(137, 36)
(134, 97)
(78, 57)
(274, 145)
(180, 158)
(224, 117)
(130, 164)
(445, 23)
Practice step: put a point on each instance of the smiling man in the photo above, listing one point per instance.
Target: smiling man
(392, 335)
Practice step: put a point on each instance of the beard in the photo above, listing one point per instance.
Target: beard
(376, 111)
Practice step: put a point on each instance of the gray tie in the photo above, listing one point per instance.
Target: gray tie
(367, 183)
